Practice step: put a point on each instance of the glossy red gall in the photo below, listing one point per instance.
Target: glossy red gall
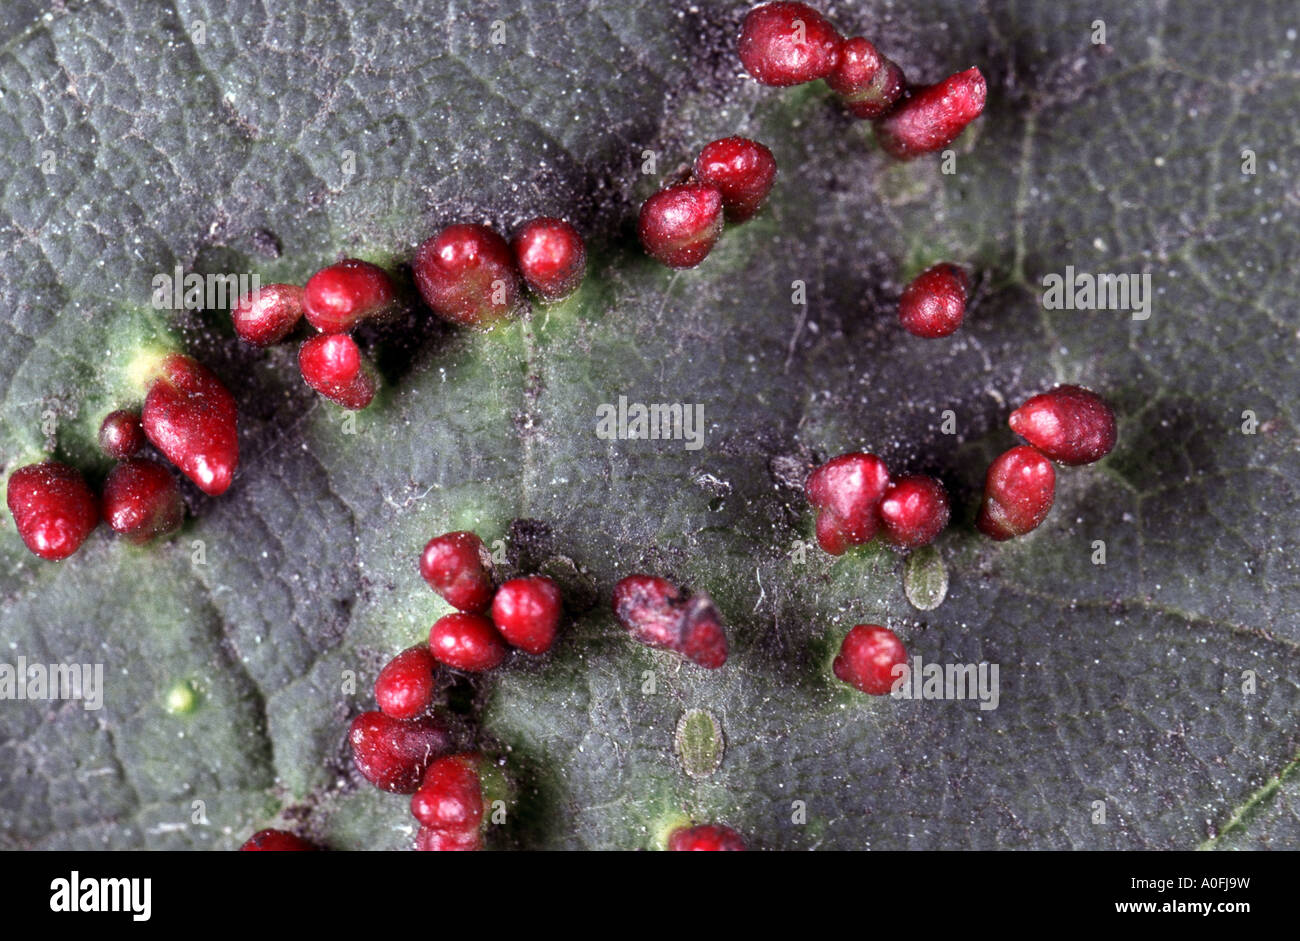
(868, 83)
(459, 567)
(450, 796)
(1019, 489)
(1070, 424)
(467, 275)
(340, 296)
(141, 500)
(467, 642)
(913, 511)
(53, 508)
(678, 226)
(276, 841)
(269, 314)
(333, 365)
(392, 754)
(788, 44)
(868, 658)
(551, 255)
(703, 639)
(527, 612)
(707, 837)
(741, 170)
(846, 492)
(934, 304)
(432, 840)
(405, 686)
(121, 435)
(191, 418)
(931, 117)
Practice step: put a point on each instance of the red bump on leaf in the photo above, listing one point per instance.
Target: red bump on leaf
(867, 658)
(931, 117)
(1018, 492)
(276, 841)
(551, 256)
(141, 500)
(269, 314)
(121, 435)
(338, 297)
(658, 614)
(450, 796)
(334, 366)
(392, 754)
(52, 507)
(467, 274)
(1070, 424)
(831, 535)
(934, 304)
(679, 225)
(449, 806)
(405, 686)
(431, 840)
(467, 642)
(741, 170)
(913, 512)
(527, 612)
(788, 44)
(707, 837)
(649, 607)
(703, 640)
(868, 83)
(846, 491)
(191, 418)
(459, 567)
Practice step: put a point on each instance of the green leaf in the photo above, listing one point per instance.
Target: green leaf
(290, 135)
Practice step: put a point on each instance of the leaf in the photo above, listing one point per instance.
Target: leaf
(288, 137)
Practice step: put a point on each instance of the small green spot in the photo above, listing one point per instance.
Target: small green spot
(698, 743)
(925, 578)
(662, 828)
(181, 699)
(495, 786)
(816, 829)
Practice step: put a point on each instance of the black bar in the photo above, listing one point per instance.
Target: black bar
(328, 890)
